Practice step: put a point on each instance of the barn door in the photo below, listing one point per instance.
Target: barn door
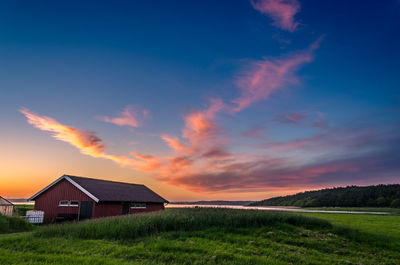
(125, 208)
(85, 211)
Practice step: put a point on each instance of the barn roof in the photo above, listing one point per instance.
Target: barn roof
(5, 202)
(109, 191)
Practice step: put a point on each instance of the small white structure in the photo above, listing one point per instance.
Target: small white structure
(35, 217)
(6, 207)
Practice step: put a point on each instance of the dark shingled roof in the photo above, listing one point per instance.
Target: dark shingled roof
(112, 191)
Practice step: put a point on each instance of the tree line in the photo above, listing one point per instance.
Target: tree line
(350, 196)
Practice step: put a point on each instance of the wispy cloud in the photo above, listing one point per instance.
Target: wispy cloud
(201, 124)
(130, 117)
(260, 78)
(173, 142)
(255, 131)
(295, 117)
(87, 142)
(282, 12)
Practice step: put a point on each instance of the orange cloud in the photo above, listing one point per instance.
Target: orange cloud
(282, 12)
(200, 144)
(200, 124)
(173, 142)
(128, 117)
(87, 142)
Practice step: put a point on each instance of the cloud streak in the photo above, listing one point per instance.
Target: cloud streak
(128, 117)
(282, 12)
(260, 78)
(87, 142)
(295, 117)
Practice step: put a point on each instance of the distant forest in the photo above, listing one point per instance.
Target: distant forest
(350, 196)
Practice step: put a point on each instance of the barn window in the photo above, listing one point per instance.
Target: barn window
(138, 206)
(74, 203)
(63, 203)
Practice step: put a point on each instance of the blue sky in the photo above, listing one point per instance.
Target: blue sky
(337, 107)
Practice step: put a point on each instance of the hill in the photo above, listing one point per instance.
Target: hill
(350, 196)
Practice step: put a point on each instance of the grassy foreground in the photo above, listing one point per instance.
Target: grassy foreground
(388, 225)
(201, 236)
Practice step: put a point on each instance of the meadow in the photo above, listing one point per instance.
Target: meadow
(211, 236)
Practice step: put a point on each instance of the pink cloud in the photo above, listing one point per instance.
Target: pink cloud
(128, 117)
(201, 124)
(282, 12)
(254, 132)
(216, 152)
(297, 144)
(296, 117)
(173, 142)
(259, 79)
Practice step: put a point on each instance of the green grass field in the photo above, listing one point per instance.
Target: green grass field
(357, 209)
(388, 225)
(211, 236)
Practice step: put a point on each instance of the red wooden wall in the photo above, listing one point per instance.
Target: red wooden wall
(105, 209)
(48, 201)
(150, 207)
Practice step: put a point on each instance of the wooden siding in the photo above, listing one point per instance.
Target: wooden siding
(49, 200)
(7, 210)
(104, 209)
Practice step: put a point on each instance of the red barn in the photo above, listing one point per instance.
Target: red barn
(78, 198)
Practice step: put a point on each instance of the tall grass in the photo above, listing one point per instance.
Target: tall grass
(130, 227)
(13, 224)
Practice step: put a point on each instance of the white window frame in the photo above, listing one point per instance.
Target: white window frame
(76, 205)
(138, 206)
(63, 205)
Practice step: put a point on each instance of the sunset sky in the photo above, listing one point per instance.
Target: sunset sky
(200, 100)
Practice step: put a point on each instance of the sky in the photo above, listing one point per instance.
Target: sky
(200, 100)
